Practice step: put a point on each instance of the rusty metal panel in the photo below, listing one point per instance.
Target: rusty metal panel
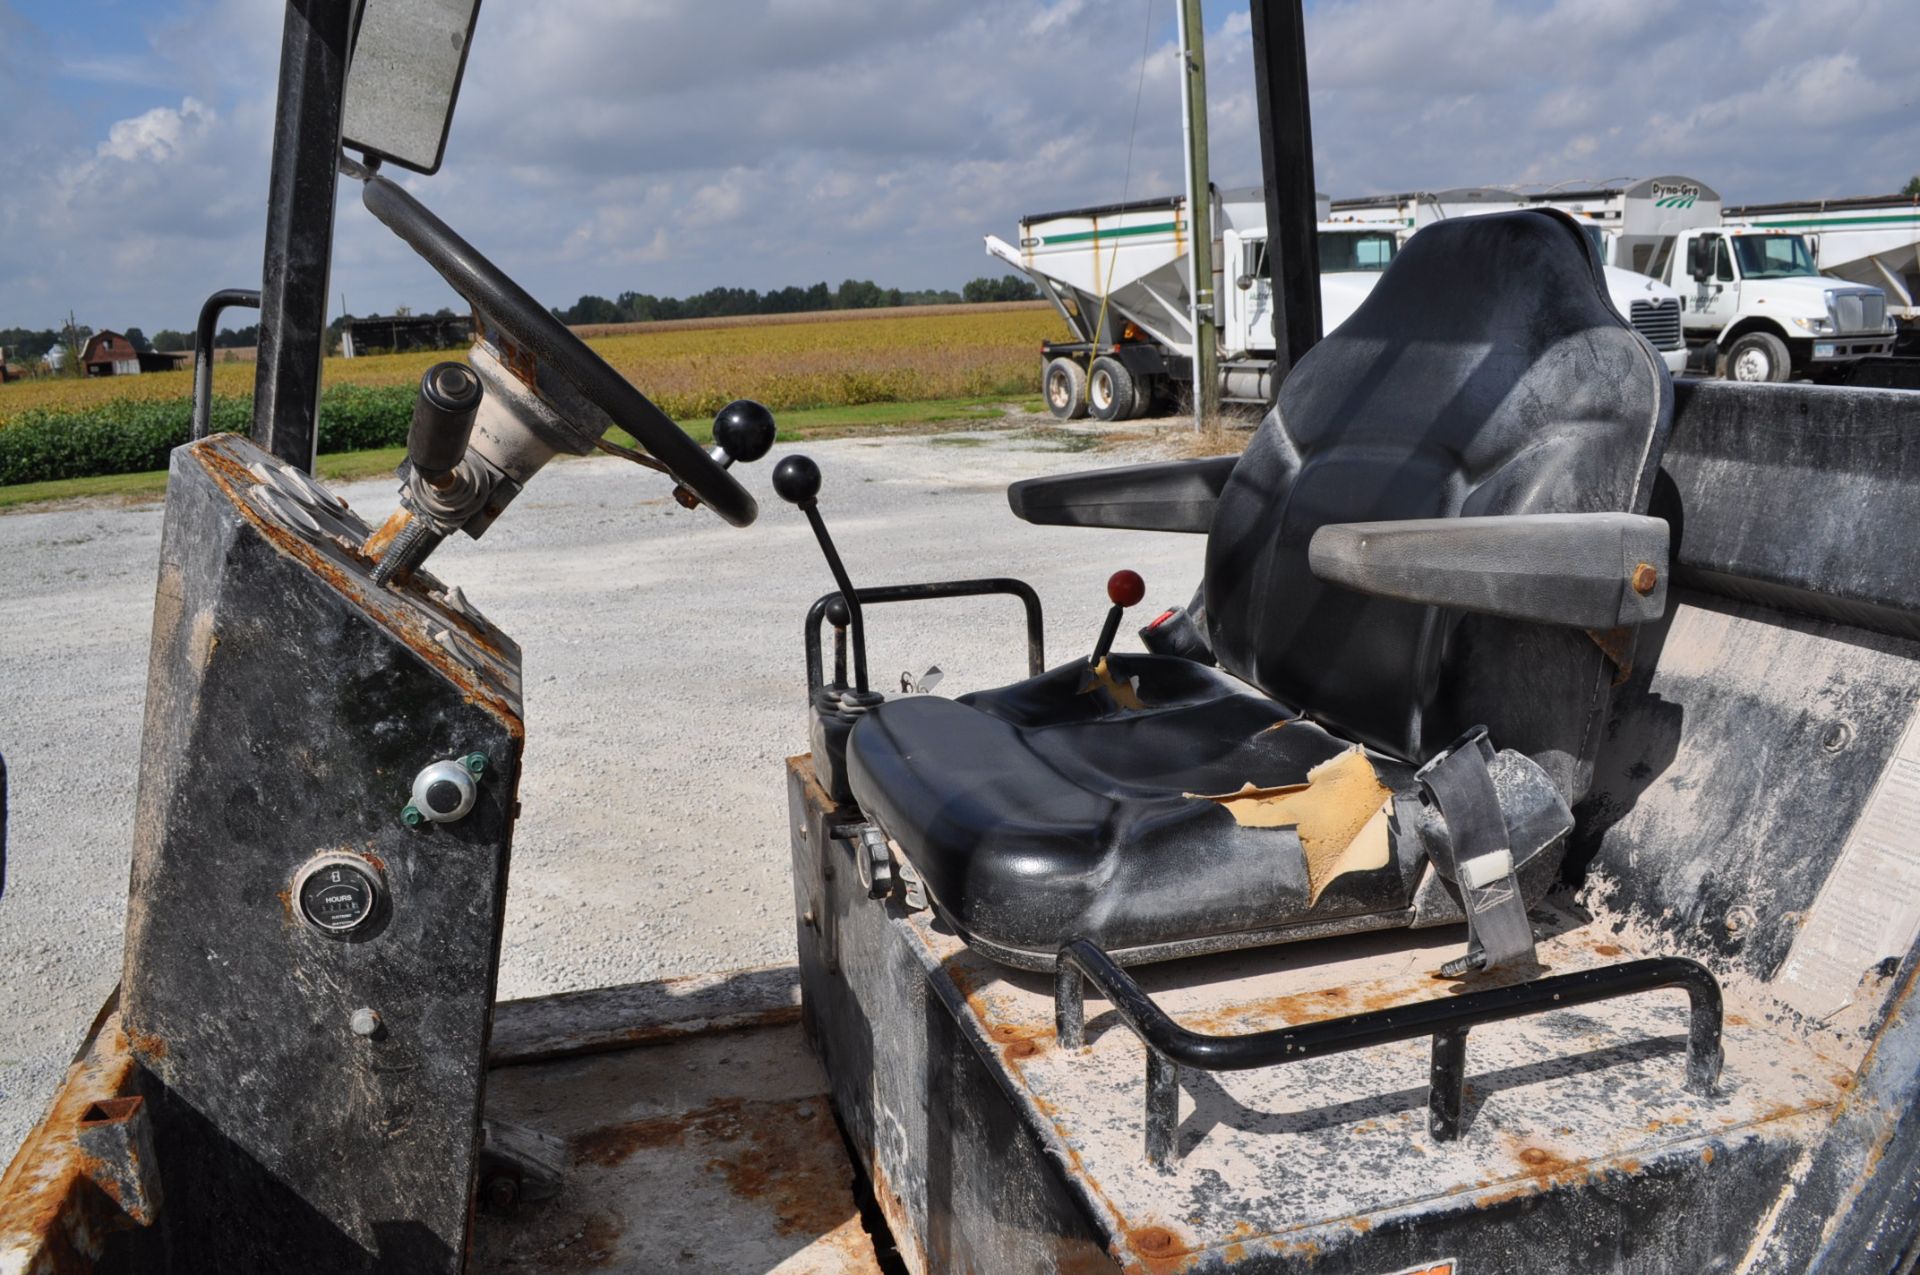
(324, 1086)
(711, 1152)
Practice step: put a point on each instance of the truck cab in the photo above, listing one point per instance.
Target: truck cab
(1352, 258)
(1759, 300)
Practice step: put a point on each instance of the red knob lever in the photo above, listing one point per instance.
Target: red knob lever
(1124, 589)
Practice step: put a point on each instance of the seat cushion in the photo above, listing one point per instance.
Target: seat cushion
(1049, 808)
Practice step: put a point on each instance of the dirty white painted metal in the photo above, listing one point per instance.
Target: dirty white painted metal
(1869, 909)
(1276, 1157)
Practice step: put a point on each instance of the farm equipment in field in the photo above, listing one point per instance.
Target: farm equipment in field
(1507, 866)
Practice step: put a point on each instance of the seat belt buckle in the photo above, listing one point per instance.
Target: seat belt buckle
(1460, 786)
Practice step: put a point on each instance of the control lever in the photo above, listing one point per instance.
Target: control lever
(1124, 589)
(796, 480)
(743, 431)
(443, 414)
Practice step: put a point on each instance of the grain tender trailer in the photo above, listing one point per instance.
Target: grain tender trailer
(1512, 871)
(1118, 275)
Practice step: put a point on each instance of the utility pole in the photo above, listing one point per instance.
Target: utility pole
(1193, 119)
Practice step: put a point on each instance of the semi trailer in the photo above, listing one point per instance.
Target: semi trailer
(1118, 275)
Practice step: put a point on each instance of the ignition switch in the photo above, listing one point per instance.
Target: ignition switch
(445, 791)
(338, 893)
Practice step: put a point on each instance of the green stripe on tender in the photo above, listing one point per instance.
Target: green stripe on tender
(1121, 232)
(1911, 218)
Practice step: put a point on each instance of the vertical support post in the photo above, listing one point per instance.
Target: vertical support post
(1193, 119)
(1447, 1083)
(1069, 1005)
(1286, 163)
(300, 193)
(1163, 1108)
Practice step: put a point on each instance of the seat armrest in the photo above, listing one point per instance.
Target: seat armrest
(1175, 495)
(1589, 571)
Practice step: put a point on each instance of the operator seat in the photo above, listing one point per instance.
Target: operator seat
(1487, 375)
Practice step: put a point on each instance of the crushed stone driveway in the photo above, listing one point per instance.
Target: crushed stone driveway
(665, 686)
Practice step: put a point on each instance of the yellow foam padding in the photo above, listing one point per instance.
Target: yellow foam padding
(1339, 814)
(1123, 693)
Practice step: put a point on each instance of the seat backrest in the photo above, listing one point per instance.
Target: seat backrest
(1487, 373)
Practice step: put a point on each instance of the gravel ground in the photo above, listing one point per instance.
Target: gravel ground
(664, 687)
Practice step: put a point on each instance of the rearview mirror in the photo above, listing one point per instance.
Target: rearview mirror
(408, 57)
(1700, 258)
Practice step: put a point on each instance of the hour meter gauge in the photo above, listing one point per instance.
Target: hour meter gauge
(338, 893)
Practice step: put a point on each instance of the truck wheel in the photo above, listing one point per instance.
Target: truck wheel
(1145, 391)
(1110, 389)
(1757, 356)
(1064, 386)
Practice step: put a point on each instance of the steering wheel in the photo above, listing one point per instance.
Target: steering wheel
(533, 328)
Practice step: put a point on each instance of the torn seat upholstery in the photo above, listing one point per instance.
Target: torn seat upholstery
(1486, 376)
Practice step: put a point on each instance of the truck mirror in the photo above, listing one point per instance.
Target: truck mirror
(407, 60)
(1700, 259)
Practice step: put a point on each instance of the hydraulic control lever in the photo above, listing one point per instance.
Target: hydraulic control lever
(797, 481)
(1124, 589)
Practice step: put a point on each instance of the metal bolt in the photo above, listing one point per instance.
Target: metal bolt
(1836, 737)
(502, 1193)
(411, 816)
(1644, 578)
(474, 762)
(365, 1022)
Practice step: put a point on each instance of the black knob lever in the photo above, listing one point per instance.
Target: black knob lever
(743, 431)
(796, 480)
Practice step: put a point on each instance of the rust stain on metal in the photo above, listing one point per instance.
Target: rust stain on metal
(785, 1154)
(1644, 578)
(1020, 1049)
(234, 478)
(148, 1045)
(384, 534)
(801, 764)
(1607, 949)
(1617, 645)
(54, 1212)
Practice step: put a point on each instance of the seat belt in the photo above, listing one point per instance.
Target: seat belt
(1461, 786)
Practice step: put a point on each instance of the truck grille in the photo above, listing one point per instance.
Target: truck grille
(1859, 311)
(1659, 322)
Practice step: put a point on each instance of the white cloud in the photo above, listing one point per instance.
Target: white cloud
(668, 147)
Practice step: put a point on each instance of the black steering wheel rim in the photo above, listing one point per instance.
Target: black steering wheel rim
(533, 326)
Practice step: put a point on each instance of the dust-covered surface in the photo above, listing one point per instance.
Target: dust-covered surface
(664, 686)
(714, 1153)
(1301, 1158)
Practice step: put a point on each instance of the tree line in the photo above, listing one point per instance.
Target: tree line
(722, 303)
(27, 345)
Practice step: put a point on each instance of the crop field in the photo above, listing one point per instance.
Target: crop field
(692, 370)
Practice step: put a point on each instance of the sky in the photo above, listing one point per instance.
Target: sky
(670, 146)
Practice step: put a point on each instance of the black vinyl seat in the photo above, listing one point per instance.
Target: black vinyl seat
(1487, 375)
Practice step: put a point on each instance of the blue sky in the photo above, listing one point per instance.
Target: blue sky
(668, 146)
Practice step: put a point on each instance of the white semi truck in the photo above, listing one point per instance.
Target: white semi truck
(1761, 301)
(1872, 240)
(1118, 276)
(1651, 306)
